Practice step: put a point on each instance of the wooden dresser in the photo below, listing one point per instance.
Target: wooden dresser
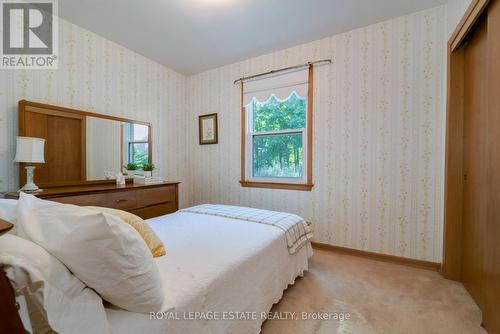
(145, 201)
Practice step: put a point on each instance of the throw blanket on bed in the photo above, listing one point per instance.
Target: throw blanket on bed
(297, 230)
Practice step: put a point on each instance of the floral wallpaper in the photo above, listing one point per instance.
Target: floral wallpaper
(98, 75)
(379, 113)
(378, 152)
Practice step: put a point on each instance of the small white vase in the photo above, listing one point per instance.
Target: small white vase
(148, 173)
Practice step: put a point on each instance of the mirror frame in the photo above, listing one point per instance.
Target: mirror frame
(25, 106)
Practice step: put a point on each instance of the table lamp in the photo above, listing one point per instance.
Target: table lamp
(30, 150)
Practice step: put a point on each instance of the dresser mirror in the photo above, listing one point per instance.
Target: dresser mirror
(83, 147)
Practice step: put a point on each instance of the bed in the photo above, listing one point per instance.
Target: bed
(223, 268)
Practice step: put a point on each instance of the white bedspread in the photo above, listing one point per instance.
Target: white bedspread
(216, 264)
(297, 231)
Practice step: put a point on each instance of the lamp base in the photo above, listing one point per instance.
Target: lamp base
(30, 191)
(30, 186)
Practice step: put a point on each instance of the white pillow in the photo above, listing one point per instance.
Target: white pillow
(69, 306)
(8, 212)
(103, 252)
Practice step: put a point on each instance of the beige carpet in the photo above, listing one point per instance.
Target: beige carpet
(380, 298)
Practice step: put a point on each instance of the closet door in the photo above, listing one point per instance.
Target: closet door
(481, 166)
(71, 132)
(472, 211)
(492, 249)
(65, 145)
(475, 159)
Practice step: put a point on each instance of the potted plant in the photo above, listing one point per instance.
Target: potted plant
(148, 169)
(131, 168)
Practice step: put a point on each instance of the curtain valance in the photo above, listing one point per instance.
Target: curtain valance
(280, 84)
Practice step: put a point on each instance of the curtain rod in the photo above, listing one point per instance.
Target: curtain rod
(329, 61)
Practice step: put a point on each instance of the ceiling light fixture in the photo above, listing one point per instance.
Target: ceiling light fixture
(214, 2)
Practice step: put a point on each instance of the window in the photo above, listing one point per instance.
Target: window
(277, 133)
(276, 137)
(136, 143)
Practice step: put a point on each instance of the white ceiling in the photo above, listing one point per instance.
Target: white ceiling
(192, 36)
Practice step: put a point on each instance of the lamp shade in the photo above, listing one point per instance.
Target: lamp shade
(30, 150)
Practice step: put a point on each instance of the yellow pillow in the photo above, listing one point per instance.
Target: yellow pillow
(154, 243)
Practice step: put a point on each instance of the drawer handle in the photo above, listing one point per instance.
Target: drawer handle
(121, 200)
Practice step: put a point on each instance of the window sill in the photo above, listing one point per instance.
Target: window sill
(275, 185)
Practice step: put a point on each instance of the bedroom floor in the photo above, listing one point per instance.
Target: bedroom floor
(380, 297)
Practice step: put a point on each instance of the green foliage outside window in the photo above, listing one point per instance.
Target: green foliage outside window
(278, 155)
(139, 154)
(275, 115)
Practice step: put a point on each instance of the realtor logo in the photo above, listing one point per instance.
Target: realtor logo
(29, 34)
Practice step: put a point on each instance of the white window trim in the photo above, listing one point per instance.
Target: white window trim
(249, 151)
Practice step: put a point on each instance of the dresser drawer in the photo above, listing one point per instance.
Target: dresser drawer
(153, 196)
(144, 201)
(123, 200)
(155, 210)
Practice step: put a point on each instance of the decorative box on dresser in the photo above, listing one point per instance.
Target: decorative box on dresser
(145, 201)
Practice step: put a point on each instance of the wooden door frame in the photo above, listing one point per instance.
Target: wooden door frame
(453, 208)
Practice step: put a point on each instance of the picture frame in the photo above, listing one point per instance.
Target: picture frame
(208, 129)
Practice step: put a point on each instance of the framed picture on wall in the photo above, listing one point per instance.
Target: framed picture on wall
(207, 125)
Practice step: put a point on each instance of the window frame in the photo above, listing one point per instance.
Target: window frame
(128, 132)
(247, 180)
(250, 151)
